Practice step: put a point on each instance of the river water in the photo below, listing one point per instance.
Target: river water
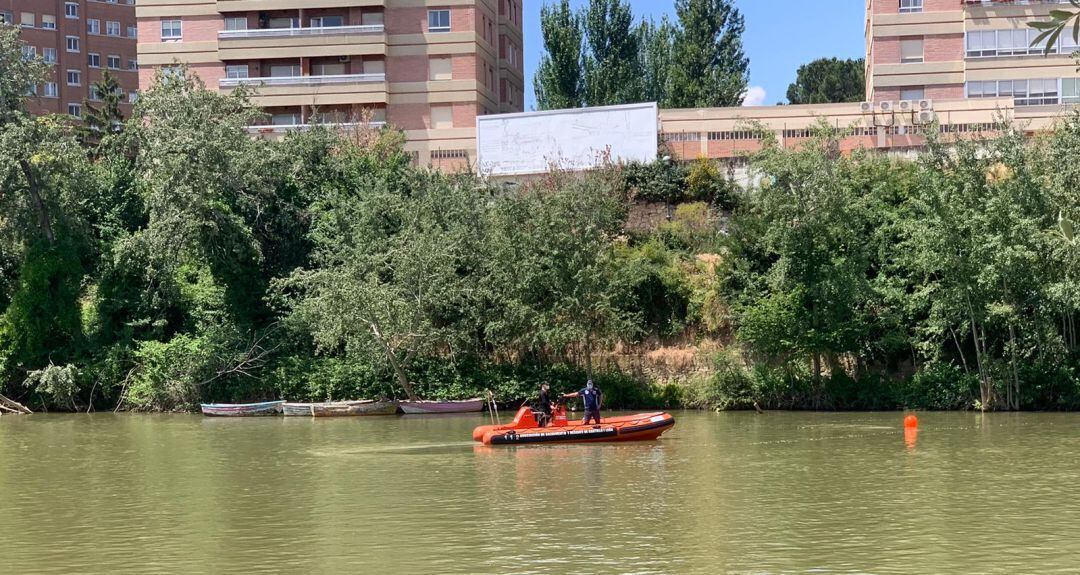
(735, 493)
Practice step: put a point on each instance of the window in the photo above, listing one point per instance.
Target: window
(285, 71)
(31, 90)
(1070, 91)
(29, 52)
(48, 22)
(93, 26)
(171, 30)
(327, 22)
(132, 31)
(912, 93)
(6, 17)
(49, 55)
(113, 62)
(328, 69)
(236, 71)
(72, 43)
(133, 97)
(438, 20)
(908, 6)
(93, 60)
(982, 44)
(440, 68)
(94, 95)
(911, 51)
(371, 19)
(285, 119)
(28, 19)
(74, 78)
(51, 90)
(1042, 92)
(112, 28)
(1039, 93)
(133, 64)
(71, 10)
(373, 66)
(75, 110)
(442, 117)
(236, 23)
(284, 23)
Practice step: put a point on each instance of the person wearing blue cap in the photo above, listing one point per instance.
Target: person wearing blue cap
(593, 398)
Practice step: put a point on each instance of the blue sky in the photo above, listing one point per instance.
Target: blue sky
(780, 36)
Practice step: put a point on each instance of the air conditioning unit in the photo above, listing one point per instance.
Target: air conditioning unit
(886, 107)
(344, 59)
(866, 107)
(906, 105)
(925, 105)
(925, 117)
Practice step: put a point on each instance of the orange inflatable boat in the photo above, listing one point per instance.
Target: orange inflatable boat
(525, 429)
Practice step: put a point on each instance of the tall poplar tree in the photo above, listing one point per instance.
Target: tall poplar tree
(709, 67)
(655, 43)
(612, 69)
(560, 79)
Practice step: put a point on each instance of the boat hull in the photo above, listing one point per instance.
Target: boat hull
(242, 409)
(419, 407)
(341, 408)
(524, 431)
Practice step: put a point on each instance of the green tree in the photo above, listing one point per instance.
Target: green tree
(560, 81)
(390, 281)
(809, 295)
(551, 264)
(656, 42)
(829, 81)
(708, 68)
(612, 68)
(107, 119)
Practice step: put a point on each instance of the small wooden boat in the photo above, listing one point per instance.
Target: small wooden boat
(525, 430)
(341, 408)
(466, 406)
(242, 409)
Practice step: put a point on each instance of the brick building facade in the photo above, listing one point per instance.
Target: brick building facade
(426, 67)
(81, 39)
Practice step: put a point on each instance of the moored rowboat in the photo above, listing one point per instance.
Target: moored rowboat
(525, 430)
(341, 408)
(420, 406)
(242, 409)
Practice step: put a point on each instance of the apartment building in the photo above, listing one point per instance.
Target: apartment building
(428, 67)
(955, 66)
(81, 39)
(967, 49)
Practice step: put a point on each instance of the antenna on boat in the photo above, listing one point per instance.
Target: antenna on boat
(493, 408)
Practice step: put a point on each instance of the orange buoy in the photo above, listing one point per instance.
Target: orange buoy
(911, 422)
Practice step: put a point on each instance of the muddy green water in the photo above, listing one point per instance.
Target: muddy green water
(738, 493)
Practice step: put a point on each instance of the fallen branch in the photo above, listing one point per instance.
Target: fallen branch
(13, 406)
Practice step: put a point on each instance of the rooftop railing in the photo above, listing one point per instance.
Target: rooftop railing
(286, 32)
(301, 80)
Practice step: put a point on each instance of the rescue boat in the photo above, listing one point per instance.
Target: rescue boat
(525, 429)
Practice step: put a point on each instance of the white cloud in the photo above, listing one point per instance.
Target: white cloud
(755, 96)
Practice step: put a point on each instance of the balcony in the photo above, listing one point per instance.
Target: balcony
(302, 80)
(283, 128)
(311, 42)
(313, 90)
(299, 32)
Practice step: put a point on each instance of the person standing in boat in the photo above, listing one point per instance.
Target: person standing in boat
(544, 405)
(593, 398)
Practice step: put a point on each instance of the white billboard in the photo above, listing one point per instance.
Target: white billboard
(575, 139)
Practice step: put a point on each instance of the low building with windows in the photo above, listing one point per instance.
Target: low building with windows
(80, 39)
(429, 68)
